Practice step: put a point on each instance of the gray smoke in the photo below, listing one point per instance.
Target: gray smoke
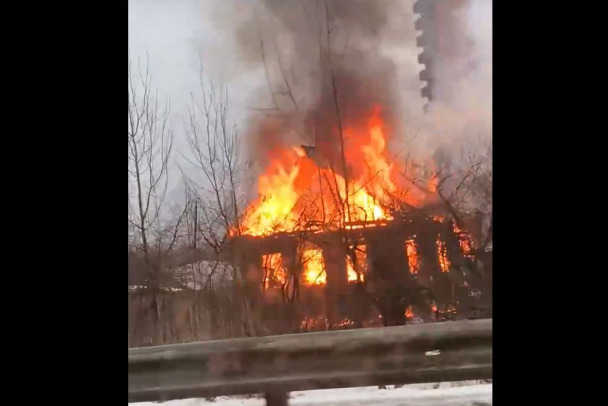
(371, 58)
(306, 66)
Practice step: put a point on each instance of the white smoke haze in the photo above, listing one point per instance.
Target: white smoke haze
(462, 121)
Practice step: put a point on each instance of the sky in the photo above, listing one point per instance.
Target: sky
(169, 33)
(178, 34)
(175, 37)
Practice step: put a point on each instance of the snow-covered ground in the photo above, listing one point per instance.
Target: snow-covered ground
(439, 394)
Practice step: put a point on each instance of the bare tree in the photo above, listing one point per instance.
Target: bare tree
(466, 191)
(153, 230)
(215, 154)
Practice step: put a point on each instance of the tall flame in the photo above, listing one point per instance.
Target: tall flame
(274, 209)
(303, 190)
(295, 193)
(444, 262)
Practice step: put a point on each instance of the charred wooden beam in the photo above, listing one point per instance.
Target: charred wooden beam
(388, 274)
(334, 257)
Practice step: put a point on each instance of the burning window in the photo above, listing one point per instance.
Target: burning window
(412, 256)
(274, 271)
(442, 253)
(356, 271)
(314, 267)
(465, 246)
(464, 241)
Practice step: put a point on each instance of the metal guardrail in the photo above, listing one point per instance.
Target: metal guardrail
(437, 352)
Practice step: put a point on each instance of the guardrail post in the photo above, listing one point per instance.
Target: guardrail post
(277, 398)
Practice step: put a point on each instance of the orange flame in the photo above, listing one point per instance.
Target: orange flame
(275, 272)
(444, 263)
(360, 256)
(273, 211)
(314, 267)
(295, 193)
(345, 322)
(301, 190)
(464, 241)
(352, 274)
(409, 313)
(465, 246)
(412, 256)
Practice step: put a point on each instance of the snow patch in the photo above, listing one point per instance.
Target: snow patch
(465, 393)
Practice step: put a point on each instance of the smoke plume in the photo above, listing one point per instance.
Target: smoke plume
(327, 59)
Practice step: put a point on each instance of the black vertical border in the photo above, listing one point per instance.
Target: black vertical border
(549, 91)
(64, 106)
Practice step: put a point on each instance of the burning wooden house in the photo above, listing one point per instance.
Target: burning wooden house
(351, 244)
